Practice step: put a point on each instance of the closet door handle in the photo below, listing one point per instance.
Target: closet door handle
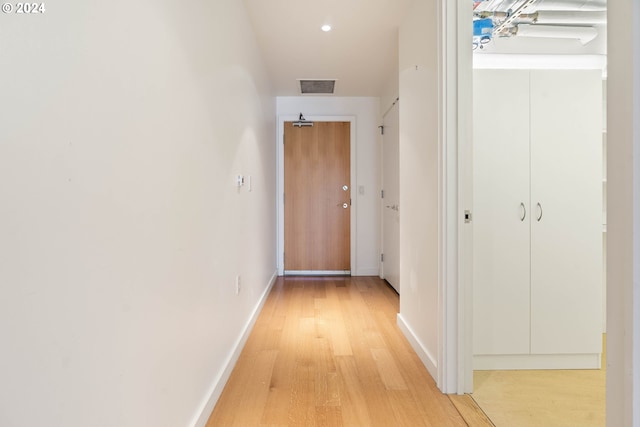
(540, 209)
(524, 212)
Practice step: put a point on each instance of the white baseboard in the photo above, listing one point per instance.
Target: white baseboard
(367, 272)
(317, 273)
(536, 361)
(221, 381)
(430, 362)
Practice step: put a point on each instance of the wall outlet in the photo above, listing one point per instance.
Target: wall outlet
(237, 285)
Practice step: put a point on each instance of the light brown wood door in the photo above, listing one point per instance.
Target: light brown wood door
(317, 208)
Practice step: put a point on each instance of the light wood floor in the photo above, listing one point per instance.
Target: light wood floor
(327, 352)
(560, 398)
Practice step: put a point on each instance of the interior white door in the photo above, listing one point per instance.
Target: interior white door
(501, 212)
(391, 199)
(566, 199)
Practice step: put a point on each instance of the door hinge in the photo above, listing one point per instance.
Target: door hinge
(283, 198)
(381, 257)
(382, 194)
(467, 217)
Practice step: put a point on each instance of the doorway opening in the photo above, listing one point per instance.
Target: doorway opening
(322, 125)
(538, 268)
(570, 366)
(317, 198)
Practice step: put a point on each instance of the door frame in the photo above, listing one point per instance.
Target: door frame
(455, 68)
(280, 184)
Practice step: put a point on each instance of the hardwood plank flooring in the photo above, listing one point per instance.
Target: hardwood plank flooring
(328, 352)
(471, 412)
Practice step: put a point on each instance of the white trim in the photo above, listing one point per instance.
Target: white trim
(455, 355)
(447, 196)
(317, 273)
(380, 146)
(429, 361)
(623, 215)
(464, 108)
(280, 182)
(368, 272)
(532, 62)
(536, 361)
(635, 285)
(218, 384)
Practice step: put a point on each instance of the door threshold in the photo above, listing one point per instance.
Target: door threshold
(317, 272)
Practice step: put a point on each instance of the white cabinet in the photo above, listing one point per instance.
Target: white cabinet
(537, 219)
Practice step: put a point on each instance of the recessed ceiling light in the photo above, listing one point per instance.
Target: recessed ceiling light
(326, 28)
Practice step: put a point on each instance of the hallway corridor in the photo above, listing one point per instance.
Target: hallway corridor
(327, 352)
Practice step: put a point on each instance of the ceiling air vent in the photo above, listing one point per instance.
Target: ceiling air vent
(317, 87)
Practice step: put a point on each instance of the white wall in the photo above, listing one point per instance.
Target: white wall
(122, 126)
(419, 172)
(623, 215)
(390, 87)
(367, 113)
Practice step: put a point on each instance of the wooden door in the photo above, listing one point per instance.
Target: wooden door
(317, 203)
(566, 201)
(501, 212)
(391, 198)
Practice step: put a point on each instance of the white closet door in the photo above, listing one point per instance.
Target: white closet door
(501, 212)
(566, 200)
(391, 200)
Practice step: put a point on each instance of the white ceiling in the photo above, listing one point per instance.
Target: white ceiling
(360, 51)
